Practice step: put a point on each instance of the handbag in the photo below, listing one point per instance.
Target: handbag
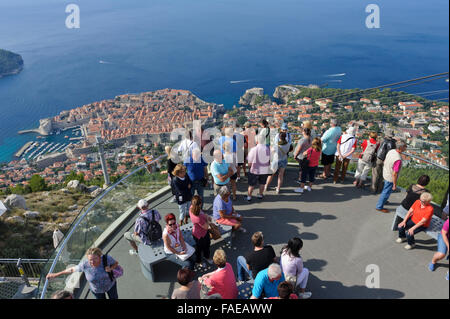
(116, 272)
(189, 252)
(214, 231)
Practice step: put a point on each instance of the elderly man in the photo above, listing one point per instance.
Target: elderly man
(329, 143)
(142, 227)
(267, 281)
(391, 171)
(221, 171)
(416, 220)
(259, 167)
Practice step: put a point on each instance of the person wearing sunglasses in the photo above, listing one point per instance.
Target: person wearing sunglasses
(176, 249)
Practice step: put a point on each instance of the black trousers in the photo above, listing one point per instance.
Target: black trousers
(202, 245)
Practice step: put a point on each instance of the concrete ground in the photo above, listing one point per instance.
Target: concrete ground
(347, 244)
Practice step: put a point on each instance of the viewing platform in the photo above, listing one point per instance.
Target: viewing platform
(345, 240)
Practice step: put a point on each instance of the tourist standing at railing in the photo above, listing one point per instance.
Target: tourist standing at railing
(303, 144)
(230, 159)
(142, 229)
(220, 171)
(265, 131)
(182, 184)
(187, 146)
(312, 155)
(346, 146)
(170, 167)
(391, 171)
(200, 232)
(307, 124)
(416, 220)
(377, 172)
(176, 249)
(279, 165)
(367, 159)
(329, 143)
(259, 167)
(239, 138)
(97, 275)
(283, 129)
(197, 171)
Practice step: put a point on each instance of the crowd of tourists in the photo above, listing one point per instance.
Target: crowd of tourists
(249, 155)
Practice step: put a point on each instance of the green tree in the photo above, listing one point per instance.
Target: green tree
(38, 184)
(74, 176)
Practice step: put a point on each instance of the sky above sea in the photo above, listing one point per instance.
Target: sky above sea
(215, 48)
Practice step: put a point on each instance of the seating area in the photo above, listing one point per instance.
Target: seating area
(433, 230)
(344, 239)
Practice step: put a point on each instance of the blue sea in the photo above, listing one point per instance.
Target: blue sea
(128, 46)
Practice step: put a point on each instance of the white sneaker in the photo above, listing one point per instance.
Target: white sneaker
(308, 188)
(260, 196)
(408, 247)
(173, 200)
(133, 252)
(248, 198)
(298, 190)
(305, 295)
(277, 190)
(400, 240)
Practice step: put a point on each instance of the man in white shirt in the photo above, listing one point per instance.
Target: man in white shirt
(346, 146)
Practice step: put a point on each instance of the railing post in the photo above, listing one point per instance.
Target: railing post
(22, 272)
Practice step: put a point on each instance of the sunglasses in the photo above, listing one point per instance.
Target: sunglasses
(172, 224)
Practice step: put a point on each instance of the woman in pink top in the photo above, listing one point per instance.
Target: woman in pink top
(200, 230)
(313, 155)
(221, 281)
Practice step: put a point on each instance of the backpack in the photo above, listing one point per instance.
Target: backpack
(116, 272)
(369, 155)
(154, 230)
(386, 146)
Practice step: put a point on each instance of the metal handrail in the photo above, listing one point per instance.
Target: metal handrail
(75, 226)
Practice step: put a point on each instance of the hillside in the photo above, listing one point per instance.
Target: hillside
(10, 63)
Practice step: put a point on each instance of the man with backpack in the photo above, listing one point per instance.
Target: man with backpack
(146, 229)
(377, 171)
(367, 159)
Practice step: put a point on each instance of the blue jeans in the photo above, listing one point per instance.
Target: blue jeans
(402, 232)
(242, 269)
(385, 193)
(197, 185)
(112, 293)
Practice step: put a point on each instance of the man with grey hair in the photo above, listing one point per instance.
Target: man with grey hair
(267, 281)
(391, 171)
(259, 166)
(220, 171)
(377, 171)
(329, 143)
(223, 210)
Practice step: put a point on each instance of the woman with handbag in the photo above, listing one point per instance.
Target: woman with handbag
(201, 223)
(292, 265)
(176, 249)
(309, 165)
(100, 271)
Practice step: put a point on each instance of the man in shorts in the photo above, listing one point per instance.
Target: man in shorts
(329, 144)
(259, 167)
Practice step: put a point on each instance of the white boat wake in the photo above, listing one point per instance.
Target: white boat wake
(336, 75)
(104, 62)
(240, 81)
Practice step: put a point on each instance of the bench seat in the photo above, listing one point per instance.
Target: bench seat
(433, 230)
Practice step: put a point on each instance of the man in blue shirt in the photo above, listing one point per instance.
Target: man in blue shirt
(267, 281)
(220, 171)
(329, 144)
(197, 170)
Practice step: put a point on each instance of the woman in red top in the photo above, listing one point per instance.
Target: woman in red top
(416, 220)
(200, 230)
(366, 159)
(222, 280)
(313, 155)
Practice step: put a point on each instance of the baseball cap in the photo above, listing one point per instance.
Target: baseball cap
(284, 126)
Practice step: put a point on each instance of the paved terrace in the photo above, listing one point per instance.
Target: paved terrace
(342, 235)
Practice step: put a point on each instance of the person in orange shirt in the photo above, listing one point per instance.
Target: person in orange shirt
(416, 220)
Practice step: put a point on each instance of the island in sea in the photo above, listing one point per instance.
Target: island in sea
(10, 63)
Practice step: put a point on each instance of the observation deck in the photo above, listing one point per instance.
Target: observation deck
(344, 238)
